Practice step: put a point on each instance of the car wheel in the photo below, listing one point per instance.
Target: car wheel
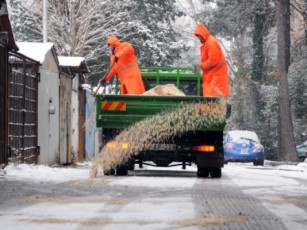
(256, 163)
(301, 158)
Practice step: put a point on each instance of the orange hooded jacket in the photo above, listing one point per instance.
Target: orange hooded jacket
(213, 65)
(126, 67)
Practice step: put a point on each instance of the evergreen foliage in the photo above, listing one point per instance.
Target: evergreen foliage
(258, 57)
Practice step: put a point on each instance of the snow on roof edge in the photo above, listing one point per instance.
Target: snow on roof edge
(70, 61)
(35, 50)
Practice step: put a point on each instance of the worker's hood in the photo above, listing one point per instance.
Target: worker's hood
(202, 31)
(113, 41)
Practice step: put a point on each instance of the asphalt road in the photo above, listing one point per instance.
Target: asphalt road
(146, 199)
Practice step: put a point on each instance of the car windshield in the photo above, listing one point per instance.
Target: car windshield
(243, 135)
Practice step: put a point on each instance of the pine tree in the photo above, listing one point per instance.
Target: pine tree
(158, 43)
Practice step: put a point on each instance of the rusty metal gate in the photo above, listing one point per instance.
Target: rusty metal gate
(23, 80)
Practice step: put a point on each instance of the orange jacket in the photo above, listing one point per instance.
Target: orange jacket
(126, 67)
(213, 65)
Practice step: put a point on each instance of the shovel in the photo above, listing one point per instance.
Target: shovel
(102, 80)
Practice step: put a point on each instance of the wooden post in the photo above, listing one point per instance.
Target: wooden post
(3, 97)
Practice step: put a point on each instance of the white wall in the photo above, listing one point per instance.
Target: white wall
(48, 123)
(75, 119)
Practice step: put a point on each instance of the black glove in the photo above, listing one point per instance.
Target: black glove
(102, 81)
(115, 59)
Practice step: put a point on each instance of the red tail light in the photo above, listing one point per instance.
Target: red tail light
(229, 147)
(111, 145)
(204, 148)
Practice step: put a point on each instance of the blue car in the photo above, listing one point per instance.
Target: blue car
(243, 146)
(301, 151)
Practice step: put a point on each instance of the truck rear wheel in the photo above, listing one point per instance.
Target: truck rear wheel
(131, 164)
(202, 172)
(216, 173)
(109, 173)
(122, 170)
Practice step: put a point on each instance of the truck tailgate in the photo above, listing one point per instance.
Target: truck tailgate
(121, 111)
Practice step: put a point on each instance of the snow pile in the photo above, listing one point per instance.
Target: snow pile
(44, 173)
(2, 172)
(302, 167)
(157, 129)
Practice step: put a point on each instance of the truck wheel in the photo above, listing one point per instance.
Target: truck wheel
(109, 173)
(202, 172)
(131, 164)
(122, 170)
(216, 173)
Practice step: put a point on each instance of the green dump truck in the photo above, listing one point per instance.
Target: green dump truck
(202, 146)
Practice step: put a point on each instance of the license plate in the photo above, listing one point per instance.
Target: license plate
(244, 151)
(166, 147)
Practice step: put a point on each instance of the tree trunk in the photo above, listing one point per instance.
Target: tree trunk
(286, 144)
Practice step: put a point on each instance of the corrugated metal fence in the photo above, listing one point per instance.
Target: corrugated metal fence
(23, 80)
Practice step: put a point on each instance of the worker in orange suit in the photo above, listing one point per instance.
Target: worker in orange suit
(124, 65)
(213, 64)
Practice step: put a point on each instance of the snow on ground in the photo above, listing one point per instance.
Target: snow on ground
(278, 187)
(281, 189)
(44, 173)
(82, 171)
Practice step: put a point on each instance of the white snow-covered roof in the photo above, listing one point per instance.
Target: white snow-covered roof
(70, 61)
(35, 50)
(238, 134)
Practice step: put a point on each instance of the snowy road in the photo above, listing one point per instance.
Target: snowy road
(246, 197)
